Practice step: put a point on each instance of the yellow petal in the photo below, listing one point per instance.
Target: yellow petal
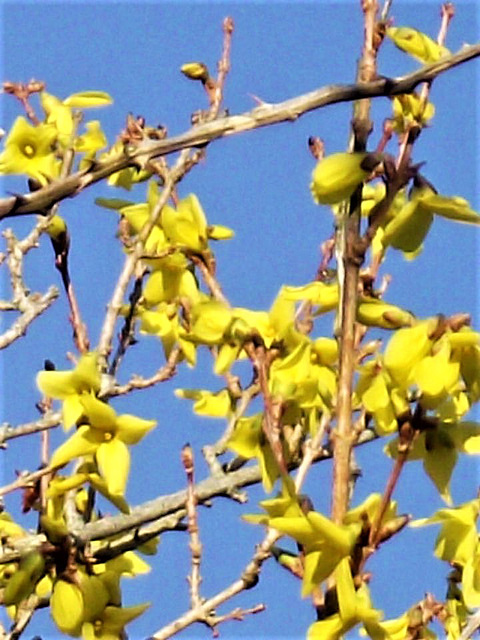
(128, 564)
(113, 460)
(83, 442)
(72, 410)
(131, 429)
(407, 347)
(85, 99)
(210, 320)
(66, 607)
(115, 618)
(56, 384)
(417, 44)
(336, 177)
(100, 415)
(219, 232)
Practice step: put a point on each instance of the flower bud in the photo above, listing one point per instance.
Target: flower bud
(195, 71)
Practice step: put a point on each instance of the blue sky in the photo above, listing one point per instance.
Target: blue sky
(256, 183)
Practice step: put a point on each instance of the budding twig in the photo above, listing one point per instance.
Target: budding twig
(195, 578)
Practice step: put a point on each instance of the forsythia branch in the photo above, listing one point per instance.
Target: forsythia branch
(169, 504)
(261, 116)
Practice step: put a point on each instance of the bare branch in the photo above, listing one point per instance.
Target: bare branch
(33, 306)
(7, 432)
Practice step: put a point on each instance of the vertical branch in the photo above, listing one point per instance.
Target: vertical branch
(272, 408)
(348, 270)
(195, 578)
(223, 66)
(61, 247)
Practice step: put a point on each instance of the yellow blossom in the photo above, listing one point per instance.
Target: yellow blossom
(29, 150)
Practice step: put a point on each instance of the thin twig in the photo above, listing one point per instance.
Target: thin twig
(137, 382)
(126, 334)
(407, 434)
(211, 452)
(223, 67)
(61, 246)
(312, 449)
(210, 279)
(272, 407)
(25, 480)
(24, 616)
(248, 579)
(195, 578)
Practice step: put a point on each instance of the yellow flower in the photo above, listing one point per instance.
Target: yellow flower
(91, 141)
(58, 115)
(69, 386)
(29, 150)
(105, 435)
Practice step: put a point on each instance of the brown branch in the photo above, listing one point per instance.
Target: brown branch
(61, 247)
(209, 278)
(407, 435)
(137, 382)
(25, 480)
(249, 576)
(272, 407)
(126, 336)
(248, 579)
(236, 614)
(261, 116)
(223, 67)
(348, 275)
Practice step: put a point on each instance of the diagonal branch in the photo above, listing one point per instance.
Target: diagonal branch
(261, 116)
(205, 490)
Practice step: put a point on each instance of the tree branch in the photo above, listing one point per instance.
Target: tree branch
(261, 116)
(165, 505)
(7, 432)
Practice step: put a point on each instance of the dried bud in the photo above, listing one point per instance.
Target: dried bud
(187, 458)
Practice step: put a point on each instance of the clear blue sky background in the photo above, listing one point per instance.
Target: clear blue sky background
(256, 183)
